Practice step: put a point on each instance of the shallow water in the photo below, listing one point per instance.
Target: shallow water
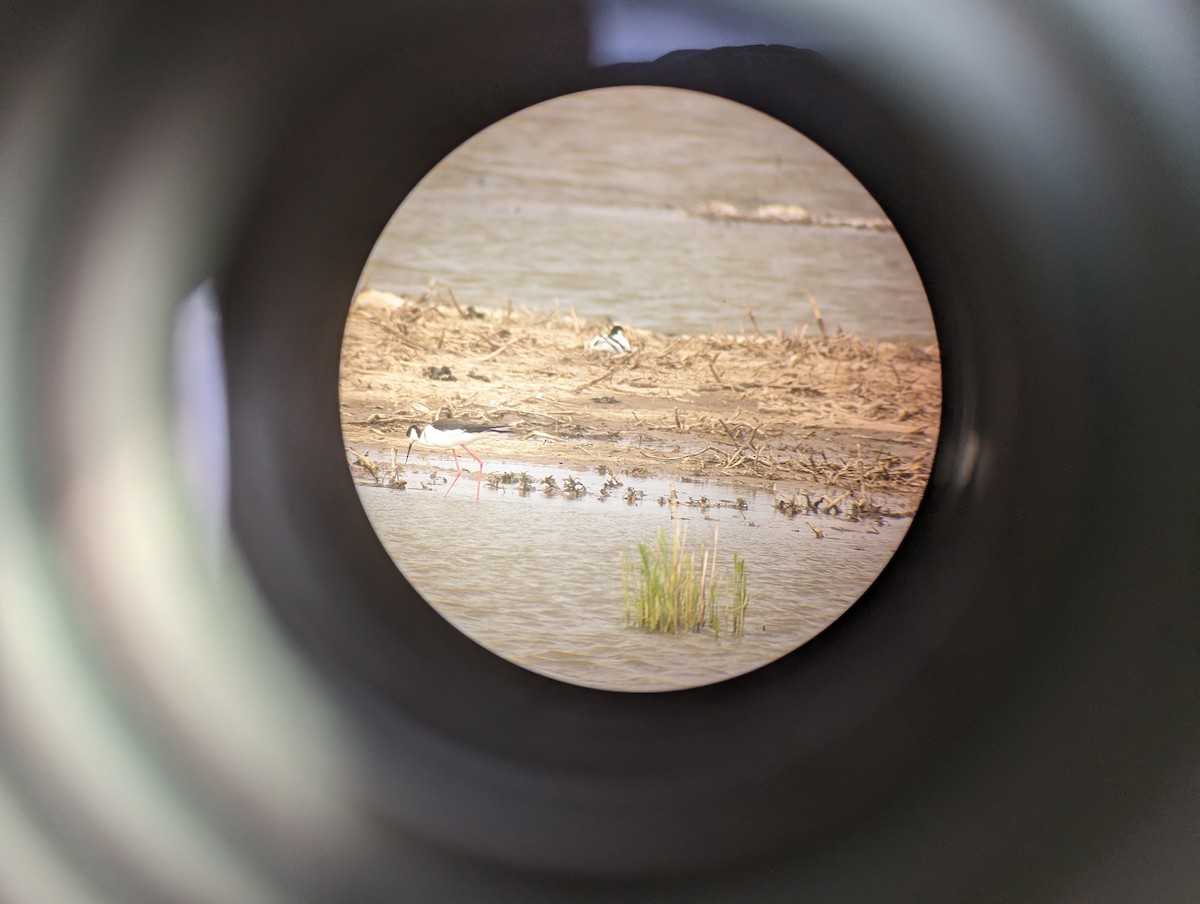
(584, 201)
(538, 579)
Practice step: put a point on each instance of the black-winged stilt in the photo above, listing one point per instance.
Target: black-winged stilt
(448, 433)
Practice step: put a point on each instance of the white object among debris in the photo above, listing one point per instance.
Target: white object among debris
(614, 341)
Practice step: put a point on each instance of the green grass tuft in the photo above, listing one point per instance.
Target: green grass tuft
(670, 587)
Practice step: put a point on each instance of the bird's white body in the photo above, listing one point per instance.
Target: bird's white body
(614, 341)
(449, 433)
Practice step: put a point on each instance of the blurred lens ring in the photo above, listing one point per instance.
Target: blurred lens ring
(127, 710)
(1120, 177)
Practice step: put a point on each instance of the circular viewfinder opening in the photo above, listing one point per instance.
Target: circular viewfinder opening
(640, 389)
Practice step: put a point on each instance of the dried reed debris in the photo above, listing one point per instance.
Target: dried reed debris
(837, 410)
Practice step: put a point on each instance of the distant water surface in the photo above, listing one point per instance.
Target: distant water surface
(585, 201)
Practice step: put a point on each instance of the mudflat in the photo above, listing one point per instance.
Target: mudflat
(810, 412)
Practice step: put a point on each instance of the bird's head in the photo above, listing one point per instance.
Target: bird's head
(413, 433)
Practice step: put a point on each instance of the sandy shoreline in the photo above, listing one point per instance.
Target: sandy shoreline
(812, 414)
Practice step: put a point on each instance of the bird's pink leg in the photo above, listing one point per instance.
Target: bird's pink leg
(479, 482)
(457, 473)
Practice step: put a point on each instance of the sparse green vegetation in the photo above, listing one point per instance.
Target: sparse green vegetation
(670, 587)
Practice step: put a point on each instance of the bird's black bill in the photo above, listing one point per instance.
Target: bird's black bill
(408, 453)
